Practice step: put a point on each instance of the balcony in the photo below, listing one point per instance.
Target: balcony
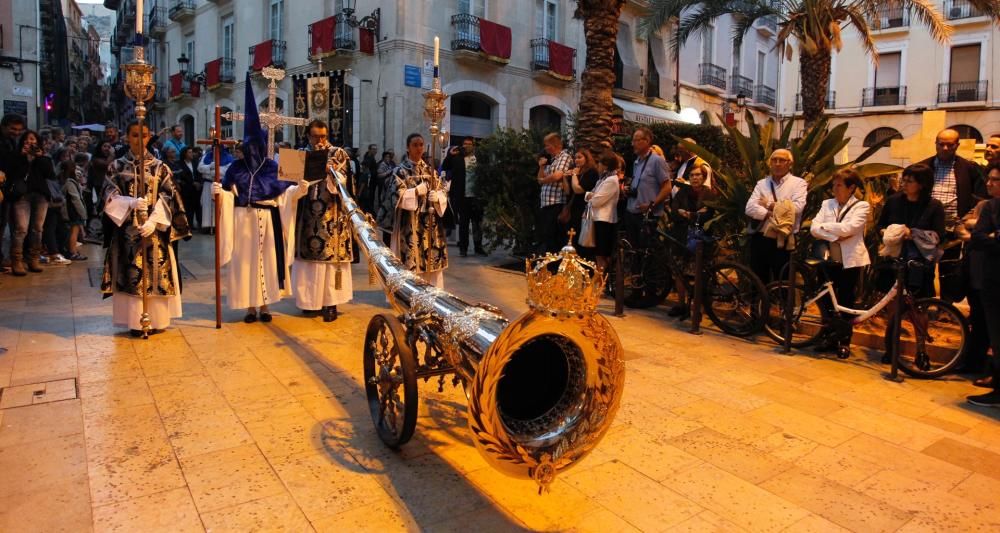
(181, 10)
(960, 9)
(157, 21)
(184, 86)
(767, 26)
(764, 95)
(160, 96)
(710, 75)
(270, 53)
(220, 73)
(966, 91)
(831, 101)
(344, 34)
(883, 96)
(741, 85)
(887, 18)
(475, 39)
(552, 60)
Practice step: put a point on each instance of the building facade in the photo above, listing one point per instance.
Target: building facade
(503, 64)
(914, 73)
(20, 58)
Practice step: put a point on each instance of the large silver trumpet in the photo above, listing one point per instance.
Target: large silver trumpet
(542, 390)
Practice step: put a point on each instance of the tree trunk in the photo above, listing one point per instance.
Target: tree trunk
(600, 25)
(814, 71)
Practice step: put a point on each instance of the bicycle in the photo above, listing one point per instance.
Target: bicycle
(932, 337)
(647, 280)
(733, 297)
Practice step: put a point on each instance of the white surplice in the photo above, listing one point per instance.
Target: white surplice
(207, 172)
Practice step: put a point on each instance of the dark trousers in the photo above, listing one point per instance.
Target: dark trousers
(192, 204)
(845, 283)
(950, 273)
(550, 232)
(54, 233)
(975, 358)
(766, 259)
(990, 298)
(27, 218)
(4, 217)
(470, 213)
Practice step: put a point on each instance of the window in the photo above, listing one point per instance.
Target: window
(968, 132)
(277, 10)
(761, 67)
(708, 44)
(546, 19)
(189, 49)
(475, 8)
(227, 37)
(737, 52)
(887, 72)
(965, 63)
(878, 135)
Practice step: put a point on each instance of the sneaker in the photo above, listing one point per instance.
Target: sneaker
(58, 259)
(43, 259)
(78, 257)
(990, 399)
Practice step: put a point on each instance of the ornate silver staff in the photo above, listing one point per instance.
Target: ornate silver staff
(140, 87)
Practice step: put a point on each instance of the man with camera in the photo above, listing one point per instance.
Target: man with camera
(553, 169)
(649, 188)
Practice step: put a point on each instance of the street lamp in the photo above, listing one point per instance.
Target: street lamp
(370, 22)
(183, 62)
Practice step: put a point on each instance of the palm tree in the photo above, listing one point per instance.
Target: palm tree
(815, 26)
(600, 26)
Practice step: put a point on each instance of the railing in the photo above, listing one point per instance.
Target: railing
(881, 96)
(160, 97)
(764, 95)
(181, 8)
(960, 9)
(831, 101)
(741, 85)
(540, 54)
(227, 71)
(157, 20)
(714, 75)
(466, 28)
(891, 17)
(965, 91)
(344, 34)
(769, 23)
(277, 54)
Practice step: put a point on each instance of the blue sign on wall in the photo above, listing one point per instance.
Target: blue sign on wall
(411, 75)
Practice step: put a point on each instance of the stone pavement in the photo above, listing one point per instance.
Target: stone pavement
(265, 427)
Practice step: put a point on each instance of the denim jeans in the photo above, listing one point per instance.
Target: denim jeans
(27, 218)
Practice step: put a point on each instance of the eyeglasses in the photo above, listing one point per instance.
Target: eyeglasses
(780, 160)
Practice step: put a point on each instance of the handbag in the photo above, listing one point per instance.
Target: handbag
(587, 238)
(56, 196)
(830, 251)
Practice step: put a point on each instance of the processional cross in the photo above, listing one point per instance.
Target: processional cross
(271, 119)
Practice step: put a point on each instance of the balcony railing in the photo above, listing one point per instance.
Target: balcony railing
(276, 60)
(965, 91)
(540, 59)
(344, 34)
(891, 17)
(466, 28)
(768, 24)
(960, 9)
(741, 85)
(831, 101)
(713, 75)
(764, 95)
(181, 9)
(227, 72)
(160, 97)
(157, 21)
(883, 96)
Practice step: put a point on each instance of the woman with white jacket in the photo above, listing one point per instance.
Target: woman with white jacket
(841, 222)
(602, 203)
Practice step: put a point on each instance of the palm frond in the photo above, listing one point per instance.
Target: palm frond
(927, 13)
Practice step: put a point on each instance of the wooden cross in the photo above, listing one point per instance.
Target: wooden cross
(217, 142)
(271, 119)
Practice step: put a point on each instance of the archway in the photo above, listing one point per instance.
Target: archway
(471, 116)
(187, 123)
(968, 132)
(878, 135)
(546, 119)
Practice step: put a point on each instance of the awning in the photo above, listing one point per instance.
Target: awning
(647, 114)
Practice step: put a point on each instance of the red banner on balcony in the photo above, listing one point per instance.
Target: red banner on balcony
(560, 59)
(176, 85)
(494, 40)
(194, 88)
(262, 54)
(213, 69)
(323, 32)
(367, 38)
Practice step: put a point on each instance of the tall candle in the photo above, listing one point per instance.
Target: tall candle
(437, 51)
(138, 16)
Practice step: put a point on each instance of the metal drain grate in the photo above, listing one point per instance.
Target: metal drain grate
(37, 393)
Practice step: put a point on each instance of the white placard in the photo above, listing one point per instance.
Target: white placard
(291, 165)
(428, 78)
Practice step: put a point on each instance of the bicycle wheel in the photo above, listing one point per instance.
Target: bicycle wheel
(653, 283)
(807, 320)
(932, 338)
(735, 299)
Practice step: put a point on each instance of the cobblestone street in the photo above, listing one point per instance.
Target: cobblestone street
(266, 427)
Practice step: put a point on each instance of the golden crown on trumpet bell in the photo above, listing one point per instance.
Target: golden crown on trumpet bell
(575, 288)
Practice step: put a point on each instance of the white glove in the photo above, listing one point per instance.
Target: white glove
(216, 188)
(421, 189)
(147, 228)
(140, 204)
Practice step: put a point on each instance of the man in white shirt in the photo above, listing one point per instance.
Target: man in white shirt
(766, 257)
